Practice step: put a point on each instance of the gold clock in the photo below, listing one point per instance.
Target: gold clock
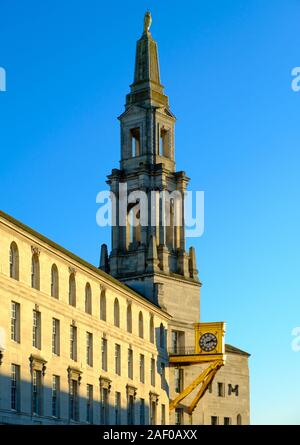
(208, 342)
(209, 338)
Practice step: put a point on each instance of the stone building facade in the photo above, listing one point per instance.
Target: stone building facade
(76, 345)
(80, 344)
(227, 400)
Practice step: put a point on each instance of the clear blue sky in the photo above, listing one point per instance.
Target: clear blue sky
(227, 70)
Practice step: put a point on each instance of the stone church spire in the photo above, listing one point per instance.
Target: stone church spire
(146, 87)
(155, 244)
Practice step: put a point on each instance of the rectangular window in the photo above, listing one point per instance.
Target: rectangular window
(117, 408)
(73, 401)
(130, 364)
(104, 407)
(210, 388)
(214, 420)
(117, 359)
(142, 368)
(179, 416)
(104, 353)
(37, 392)
(36, 329)
(163, 414)
(55, 336)
(152, 412)
(227, 421)
(15, 387)
(178, 379)
(152, 372)
(89, 403)
(142, 411)
(221, 389)
(55, 395)
(15, 322)
(130, 410)
(163, 375)
(177, 342)
(73, 343)
(89, 349)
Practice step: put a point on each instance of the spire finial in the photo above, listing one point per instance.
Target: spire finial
(146, 70)
(147, 22)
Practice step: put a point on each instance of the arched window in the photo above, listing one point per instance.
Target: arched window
(129, 318)
(103, 305)
(88, 299)
(162, 336)
(151, 329)
(14, 261)
(141, 325)
(35, 272)
(54, 281)
(117, 313)
(72, 290)
(135, 136)
(239, 419)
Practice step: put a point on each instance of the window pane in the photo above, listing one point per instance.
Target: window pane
(55, 395)
(152, 372)
(130, 363)
(15, 321)
(104, 354)
(36, 392)
(118, 359)
(117, 408)
(15, 387)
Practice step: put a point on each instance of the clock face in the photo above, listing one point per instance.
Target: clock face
(208, 342)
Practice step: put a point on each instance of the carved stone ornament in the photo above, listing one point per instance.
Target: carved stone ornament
(72, 270)
(147, 21)
(35, 250)
(102, 288)
(37, 363)
(131, 391)
(153, 397)
(74, 374)
(105, 383)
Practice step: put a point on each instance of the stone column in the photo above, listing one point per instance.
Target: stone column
(115, 216)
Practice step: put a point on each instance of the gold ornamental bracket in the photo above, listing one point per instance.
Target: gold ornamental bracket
(204, 379)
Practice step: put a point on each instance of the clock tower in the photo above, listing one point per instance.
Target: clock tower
(148, 236)
(148, 246)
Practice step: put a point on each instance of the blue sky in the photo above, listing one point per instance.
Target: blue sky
(227, 68)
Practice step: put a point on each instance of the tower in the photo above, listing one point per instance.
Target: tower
(148, 234)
